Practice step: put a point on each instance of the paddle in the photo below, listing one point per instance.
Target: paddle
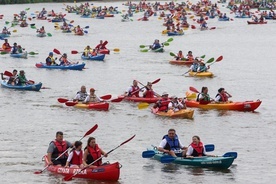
(7, 73)
(90, 131)
(49, 34)
(67, 178)
(33, 53)
(151, 153)
(209, 61)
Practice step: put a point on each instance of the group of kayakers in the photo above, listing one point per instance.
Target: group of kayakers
(88, 51)
(16, 79)
(198, 66)
(172, 145)
(222, 96)
(15, 49)
(77, 158)
(64, 61)
(83, 97)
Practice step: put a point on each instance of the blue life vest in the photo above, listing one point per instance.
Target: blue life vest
(173, 144)
(202, 68)
(195, 66)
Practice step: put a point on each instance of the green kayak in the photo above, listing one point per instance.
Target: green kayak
(222, 162)
(161, 49)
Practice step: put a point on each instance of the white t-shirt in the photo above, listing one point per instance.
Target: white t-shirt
(191, 150)
(95, 99)
(175, 106)
(71, 155)
(164, 142)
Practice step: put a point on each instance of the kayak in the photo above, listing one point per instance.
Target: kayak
(125, 20)
(68, 67)
(101, 106)
(5, 50)
(161, 49)
(140, 99)
(24, 25)
(41, 34)
(181, 62)
(104, 51)
(214, 162)
(108, 172)
(237, 106)
(201, 74)
(57, 20)
(32, 87)
(86, 16)
(252, 22)
(183, 113)
(20, 55)
(99, 57)
(99, 17)
(41, 18)
(108, 15)
(175, 33)
(224, 19)
(242, 16)
(66, 31)
(79, 34)
(4, 35)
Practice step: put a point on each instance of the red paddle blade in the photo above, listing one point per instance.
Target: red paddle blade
(74, 52)
(56, 51)
(105, 42)
(7, 73)
(127, 140)
(219, 58)
(91, 130)
(117, 100)
(193, 89)
(157, 80)
(62, 100)
(106, 97)
(37, 172)
(212, 28)
(70, 103)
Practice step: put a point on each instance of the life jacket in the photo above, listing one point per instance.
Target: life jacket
(149, 94)
(198, 150)
(223, 97)
(86, 51)
(93, 98)
(6, 46)
(134, 89)
(14, 49)
(64, 61)
(202, 68)
(156, 46)
(60, 147)
(82, 95)
(163, 104)
(77, 159)
(94, 154)
(50, 60)
(100, 46)
(205, 99)
(190, 57)
(172, 144)
(93, 53)
(195, 66)
(22, 80)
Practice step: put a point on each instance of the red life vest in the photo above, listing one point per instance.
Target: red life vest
(190, 57)
(133, 89)
(149, 94)
(163, 106)
(223, 97)
(198, 149)
(77, 159)
(60, 147)
(95, 153)
(6, 46)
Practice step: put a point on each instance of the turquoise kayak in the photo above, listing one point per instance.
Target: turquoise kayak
(33, 87)
(41, 34)
(68, 67)
(20, 55)
(3, 35)
(161, 49)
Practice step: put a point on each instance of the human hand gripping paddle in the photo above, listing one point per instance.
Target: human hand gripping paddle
(166, 43)
(151, 153)
(90, 131)
(70, 103)
(209, 61)
(69, 177)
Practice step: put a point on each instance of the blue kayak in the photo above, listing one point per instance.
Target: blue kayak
(99, 57)
(86, 16)
(224, 19)
(99, 17)
(68, 67)
(175, 33)
(33, 87)
(242, 16)
(20, 55)
(57, 19)
(4, 35)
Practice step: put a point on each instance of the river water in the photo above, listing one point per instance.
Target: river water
(29, 120)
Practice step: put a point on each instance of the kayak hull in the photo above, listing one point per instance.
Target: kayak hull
(252, 22)
(237, 106)
(20, 55)
(104, 51)
(99, 57)
(213, 162)
(224, 19)
(161, 49)
(4, 35)
(41, 35)
(175, 33)
(34, 87)
(69, 67)
(101, 106)
(201, 74)
(181, 62)
(183, 113)
(108, 172)
(140, 99)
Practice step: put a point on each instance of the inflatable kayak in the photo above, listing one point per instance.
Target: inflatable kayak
(213, 162)
(99, 57)
(33, 87)
(104, 51)
(237, 106)
(183, 113)
(175, 33)
(242, 16)
(252, 22)
(181, 62)
(108, 172)
(139, 99)
(20, 55)
(102, 106)
(201, 74)
(41, 35)
(68, 67)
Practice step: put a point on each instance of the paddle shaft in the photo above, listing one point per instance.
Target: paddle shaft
(91, 130)
(145, 87)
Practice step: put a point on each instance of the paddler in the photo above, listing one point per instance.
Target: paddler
(222, 95)
(75, 157)
(176, 105)
(204, 97)
(92, 97)
(196, 148)
(6, 45)
(133, 90)
(81, 95)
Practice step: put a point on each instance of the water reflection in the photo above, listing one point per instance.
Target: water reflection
(170, 168)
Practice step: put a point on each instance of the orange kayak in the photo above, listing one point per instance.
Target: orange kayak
(183, 113)
(181, 62)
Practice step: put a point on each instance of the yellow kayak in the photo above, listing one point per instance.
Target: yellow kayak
(183, 113)
(201, 74)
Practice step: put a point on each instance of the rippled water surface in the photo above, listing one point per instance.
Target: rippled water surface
(29, 120)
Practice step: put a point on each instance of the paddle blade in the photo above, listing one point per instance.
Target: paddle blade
(117, 100)
(116, 50)
(209, 147)
(219, 58)
(193, 89)
(142, 46)
(91, 130)
(166, 44)
(86, 27)
(145, 50)
(202, 56)
(32, 53)
(70, 103)
(210, 60)
(62, 100)
(56, 51)
(157, 80)
(231, 154)
(148, 154)
(170, 40)
(106, 97)
(38, 172)
(74, 52)
(172, 54)
(49, 34)
(167, 159)
(7, 73)
(127, 140)
(143, 105)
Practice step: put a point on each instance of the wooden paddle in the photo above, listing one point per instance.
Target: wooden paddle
(151, 153)
(67, 178)
(90, 131)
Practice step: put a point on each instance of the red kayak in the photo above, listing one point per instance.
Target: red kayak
(104, 51)
(252, 22)
(140, 99)
(237, 106)
(101, 106)
(181, 62)
(108, 172)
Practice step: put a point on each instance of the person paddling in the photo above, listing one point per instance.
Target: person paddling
(75, 157)
(41, 30)
(222, 95)
(155, 45)
(196, 148)
(92, 152)
(171, 145)
(92, 97)
(50, 60)
(175, 105)
(149, 93)
(179, 55)
(22, 80)
(133, 90)
(101, 46)
(56, 148)
(12, 80)
(162, 104)
(63, 60)
(81, 95)
(204, 97)
(6, 45)
(87, 50)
